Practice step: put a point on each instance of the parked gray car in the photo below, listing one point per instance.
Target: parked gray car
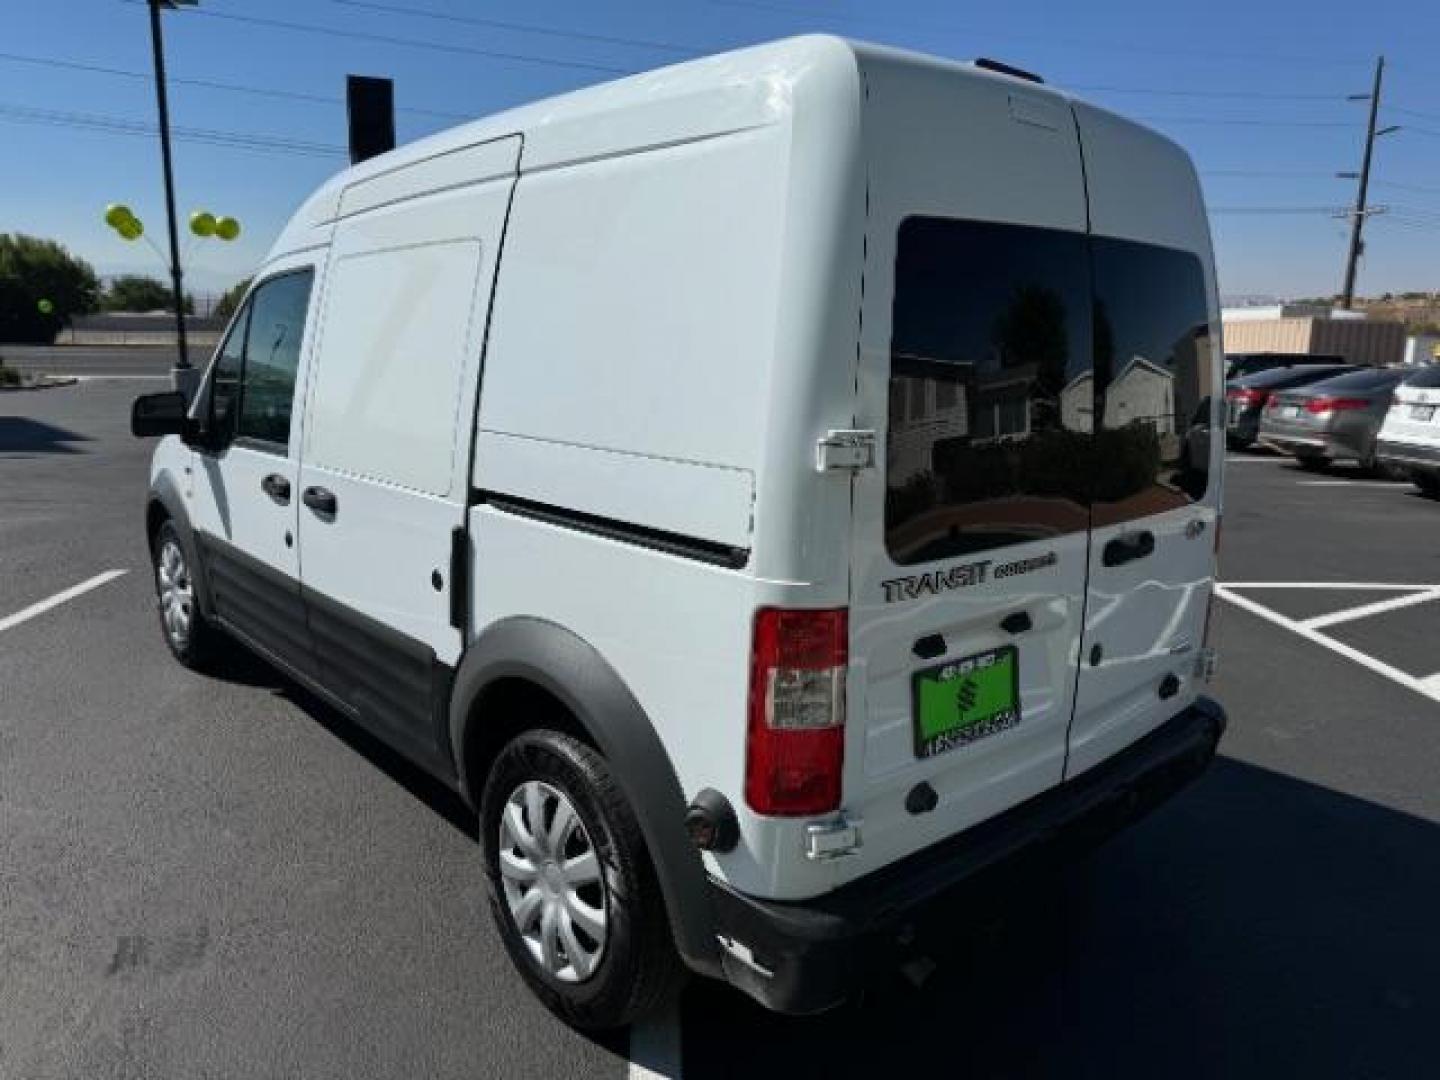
(1246, 398)
(1336, 419)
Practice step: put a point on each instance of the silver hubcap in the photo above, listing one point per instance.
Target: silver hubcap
(177, 597)
(552, 881)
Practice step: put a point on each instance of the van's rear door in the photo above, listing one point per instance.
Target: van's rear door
(1156, 498)
(970, 539)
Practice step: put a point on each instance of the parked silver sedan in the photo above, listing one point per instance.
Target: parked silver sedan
(1333, 420)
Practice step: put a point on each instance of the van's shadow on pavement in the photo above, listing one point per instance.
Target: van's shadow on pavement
(1259, 926)
(22, 435)
(242, 666)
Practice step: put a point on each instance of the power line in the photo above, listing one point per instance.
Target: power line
(210, 84)
(1289, 173)
(1245, 122)
(1408, 187)
(116, 125)
(1095, 46)
(413, 43)
(1412, 112)
(524, 28)
(1243, 95)
(1275, 209)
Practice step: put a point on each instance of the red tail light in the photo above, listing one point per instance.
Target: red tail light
(797, 711)
(1335, 404)
(1246, 396)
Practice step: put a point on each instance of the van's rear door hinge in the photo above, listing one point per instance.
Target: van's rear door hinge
(850, 449)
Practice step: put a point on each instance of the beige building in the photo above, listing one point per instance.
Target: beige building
(1298, 328)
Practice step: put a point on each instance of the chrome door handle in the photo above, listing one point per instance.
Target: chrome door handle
(277, 487)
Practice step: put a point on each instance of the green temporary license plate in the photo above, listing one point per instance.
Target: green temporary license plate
(965, 700)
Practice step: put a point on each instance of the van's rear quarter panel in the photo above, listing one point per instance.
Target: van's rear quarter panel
(634, 310)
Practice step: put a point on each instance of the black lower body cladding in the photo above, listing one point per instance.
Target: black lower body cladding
(805, 957)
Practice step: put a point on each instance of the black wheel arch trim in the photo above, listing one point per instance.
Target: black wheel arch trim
(570, 669)
(165, 492)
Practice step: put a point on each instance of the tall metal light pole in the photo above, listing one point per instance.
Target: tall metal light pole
(183, 373)
(1361, 212)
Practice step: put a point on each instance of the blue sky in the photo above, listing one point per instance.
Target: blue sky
(1256, 91)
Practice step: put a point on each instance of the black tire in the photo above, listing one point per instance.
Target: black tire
(1428, 483)
(638, 970)
(199, 644)
(1312, 462)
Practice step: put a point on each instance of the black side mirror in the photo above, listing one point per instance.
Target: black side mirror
(160, 414)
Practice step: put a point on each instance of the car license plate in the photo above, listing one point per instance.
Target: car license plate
(965, 700)
(1289, 411)
(1421, 412)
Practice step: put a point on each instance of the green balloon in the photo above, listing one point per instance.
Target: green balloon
(45, 306)
(202, 223)
(130, 230)
(116, 214)
(227, 228)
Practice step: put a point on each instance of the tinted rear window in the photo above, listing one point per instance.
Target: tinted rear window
(1000, 335)
(1427, 378)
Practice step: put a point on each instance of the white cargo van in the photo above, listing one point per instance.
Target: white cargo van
(757, 486)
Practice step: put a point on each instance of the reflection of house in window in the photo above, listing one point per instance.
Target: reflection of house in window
(1141, 390)
(934, 402)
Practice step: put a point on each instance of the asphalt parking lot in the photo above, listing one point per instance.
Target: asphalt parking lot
(220, 877)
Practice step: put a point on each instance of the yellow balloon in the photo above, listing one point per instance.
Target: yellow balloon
(202, 223)
(227, 228)
(131, 229)
(116, 214)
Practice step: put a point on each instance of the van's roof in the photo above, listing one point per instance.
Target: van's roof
(695, 99)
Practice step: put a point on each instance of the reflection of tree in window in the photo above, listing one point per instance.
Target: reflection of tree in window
(1031, 330)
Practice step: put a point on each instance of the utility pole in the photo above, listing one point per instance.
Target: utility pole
(183, 373)
(1358, 215)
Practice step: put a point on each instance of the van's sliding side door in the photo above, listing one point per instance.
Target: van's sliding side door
(1157, 466)
(384, 476)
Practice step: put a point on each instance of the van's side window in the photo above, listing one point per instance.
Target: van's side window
(272, 355)
(1154, 356)
(991, 396)
(225, 378)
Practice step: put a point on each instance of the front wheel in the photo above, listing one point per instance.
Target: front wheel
(1429, 483)
(572, 889)
(187, 632)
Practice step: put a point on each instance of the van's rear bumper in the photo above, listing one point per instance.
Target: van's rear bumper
(808, 956)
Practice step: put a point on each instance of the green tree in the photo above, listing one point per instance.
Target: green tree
(136, 292)
(227, 304)
(36, 274)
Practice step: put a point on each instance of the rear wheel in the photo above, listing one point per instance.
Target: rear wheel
(572, 889)
(1429, 483)
(1312, 462)
(189, 635)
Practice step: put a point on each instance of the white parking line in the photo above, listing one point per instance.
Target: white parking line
(59, 598)
(1349, 483)
(1364, 611)
(655, 1047)
(1425, 687)
(1367, 586)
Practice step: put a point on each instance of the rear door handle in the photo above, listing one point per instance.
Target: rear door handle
(320, 499)
(1128, 547)
(277, 487)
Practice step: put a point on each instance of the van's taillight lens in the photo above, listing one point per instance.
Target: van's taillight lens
(796, 744)
(1335, 404)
